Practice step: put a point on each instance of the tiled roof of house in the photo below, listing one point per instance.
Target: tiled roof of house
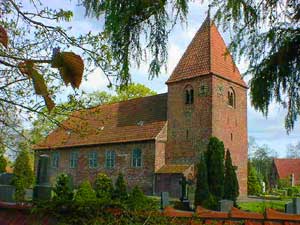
(133, 120)
(207, 54)
(285, 167)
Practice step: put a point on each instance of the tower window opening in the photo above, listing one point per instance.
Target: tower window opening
(231, 98)
(189, 95)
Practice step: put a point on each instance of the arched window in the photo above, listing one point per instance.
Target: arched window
(231, 98)
(189, 95)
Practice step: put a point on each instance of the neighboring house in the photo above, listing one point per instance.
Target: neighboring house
(288, 169)
(155, 141)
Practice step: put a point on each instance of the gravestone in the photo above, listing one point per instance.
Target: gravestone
(296, 205)
(184, 193)
(288, 208)
(43, 190)
(164, 201)
(225, 205)
(7, 191)
(292, 180)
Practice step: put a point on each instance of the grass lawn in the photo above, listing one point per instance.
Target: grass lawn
(260, 206)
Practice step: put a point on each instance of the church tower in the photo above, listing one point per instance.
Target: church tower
(207, 97)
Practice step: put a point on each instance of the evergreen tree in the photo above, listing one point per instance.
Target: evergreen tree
(231, 185)
(3, 164)
(120, 188)
(215, 167)
(254, 186)
(23, 172)
(202, 191)
(103, 186)
(63, 191)
(85, 193)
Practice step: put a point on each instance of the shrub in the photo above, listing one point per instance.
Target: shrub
(215, 167)
(63, 191)
(211, 202)
(24, 175)
(254, 186)
(231, 185)
(201, 192)
(120, 192)
(103, 186)
(85, 193)
(3, 164)
(138, 201)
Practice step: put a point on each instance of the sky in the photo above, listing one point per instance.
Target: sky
(269, 131)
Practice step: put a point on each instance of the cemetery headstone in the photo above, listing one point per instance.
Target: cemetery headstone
(184, 193)
(43, 190)
(292, 179)
(296, 205)
(225, 205)
(288, 208)
(164, 199)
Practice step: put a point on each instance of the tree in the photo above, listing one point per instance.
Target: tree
(231, 185)
(215, 167)
(63, 192)
(254, 185)
(202, 191)
(23, 172)
(3, 163)
(268, 34)
(103, 186)
(293, 151)
(120, 192)
(85, 193)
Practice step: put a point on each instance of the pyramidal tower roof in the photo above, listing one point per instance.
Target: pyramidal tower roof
(207, 54)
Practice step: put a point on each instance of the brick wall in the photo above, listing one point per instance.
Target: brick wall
(189, 126)
(230, 125)
(143, 177)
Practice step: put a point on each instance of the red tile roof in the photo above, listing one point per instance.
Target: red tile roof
(285, 167)
(207, 54)
(133, 120)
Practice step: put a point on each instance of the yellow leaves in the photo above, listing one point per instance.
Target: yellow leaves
(3, 37)
(39, 84)
(70, 67)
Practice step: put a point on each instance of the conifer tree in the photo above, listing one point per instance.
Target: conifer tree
(215, 167)
(120, 188)
(85, 193)
(63, 190)
(103, 186)
(3, 163)
(254, 186)
(23, 172)
(231, 186)
(202, 191)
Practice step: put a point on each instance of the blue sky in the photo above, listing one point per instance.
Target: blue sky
(268, 131)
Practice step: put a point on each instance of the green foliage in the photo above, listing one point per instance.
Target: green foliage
(3, 163)
(120, 192)
(138, 201)
(23, 172)
(85, 193)
(215, 167)
(125, 26)
(284, 183)
(103, 186)
(211, 202)
(254, 186)
(63, 192)
(202, 190)
(231, 185)
(272, 51)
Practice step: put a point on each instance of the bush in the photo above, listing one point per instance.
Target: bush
(120, 192)
(3, 164)
(231, 185)
(63, 191)
(103, 186)
(138, 201)
(254, 186)
(201, 192)
(211, 202)
(215, 167)
(85, 193)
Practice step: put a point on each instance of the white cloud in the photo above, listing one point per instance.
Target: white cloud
(95, 81)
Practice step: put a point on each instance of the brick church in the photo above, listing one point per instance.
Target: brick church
(155, 141)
